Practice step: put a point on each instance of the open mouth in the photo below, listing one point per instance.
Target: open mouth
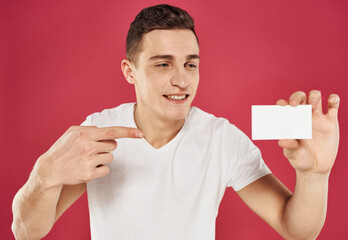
(177, 97)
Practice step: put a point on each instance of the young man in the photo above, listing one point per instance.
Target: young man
(173, 162)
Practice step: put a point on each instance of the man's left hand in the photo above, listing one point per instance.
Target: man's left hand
(316, 155)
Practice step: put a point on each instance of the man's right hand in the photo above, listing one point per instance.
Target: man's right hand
(79, 155)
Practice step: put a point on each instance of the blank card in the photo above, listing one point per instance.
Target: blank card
(281, 122)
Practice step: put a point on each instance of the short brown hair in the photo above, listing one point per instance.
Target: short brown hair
(161, 16)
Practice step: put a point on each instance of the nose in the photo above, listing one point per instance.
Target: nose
(180, 78)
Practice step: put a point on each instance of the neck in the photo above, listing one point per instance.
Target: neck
(157, 131)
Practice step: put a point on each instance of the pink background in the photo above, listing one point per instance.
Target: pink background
(60, 61)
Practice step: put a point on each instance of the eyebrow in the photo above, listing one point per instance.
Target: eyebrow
(192, 56)
(171, 57)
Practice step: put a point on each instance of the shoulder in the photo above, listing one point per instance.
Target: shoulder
(198, 116)
(109, 117)
(204, 119)
(220, 129)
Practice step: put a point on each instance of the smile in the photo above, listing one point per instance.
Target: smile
(176, 97)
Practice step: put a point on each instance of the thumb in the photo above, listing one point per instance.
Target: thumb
(290, 147)
(288, 143)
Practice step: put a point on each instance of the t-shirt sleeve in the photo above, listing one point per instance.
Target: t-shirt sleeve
(86, 122)
(247, 164)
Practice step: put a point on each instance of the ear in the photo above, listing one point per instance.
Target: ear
(128, 72)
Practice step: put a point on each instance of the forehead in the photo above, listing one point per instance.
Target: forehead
(175, 42)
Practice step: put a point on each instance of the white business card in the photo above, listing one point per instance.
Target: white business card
(281, 122)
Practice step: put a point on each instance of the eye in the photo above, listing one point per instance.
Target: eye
(191, 65)
(162, 65)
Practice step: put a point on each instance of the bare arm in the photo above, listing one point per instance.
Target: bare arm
(36, 208)
(294, 216)
(68, 195)
(305, 212)
(300, 215)
(59, 176)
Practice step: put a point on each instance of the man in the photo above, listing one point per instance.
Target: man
(165, 177)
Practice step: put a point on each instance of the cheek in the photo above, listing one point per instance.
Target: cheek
(157, 80)
(150, 85)
(195, 81)
(142, 86)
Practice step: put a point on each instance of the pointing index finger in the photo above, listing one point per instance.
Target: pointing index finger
(109, 133)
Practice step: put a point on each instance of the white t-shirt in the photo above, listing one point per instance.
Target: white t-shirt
(172, 192)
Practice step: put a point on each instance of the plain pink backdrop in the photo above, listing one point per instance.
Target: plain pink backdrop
(60, 61)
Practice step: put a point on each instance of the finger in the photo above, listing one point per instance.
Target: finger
(105, 146)
(109, 133)
(102, 158)
(314, 99)
(288, 143)
(297, 98)
(333, 105)
(100, 171)
(75, 127)
(282, 102)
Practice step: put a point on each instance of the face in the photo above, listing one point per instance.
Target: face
(166, 76)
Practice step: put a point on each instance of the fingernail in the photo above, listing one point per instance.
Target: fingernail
(334, 99)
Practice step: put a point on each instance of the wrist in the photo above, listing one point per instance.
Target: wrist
(42, 175)
(309, 176)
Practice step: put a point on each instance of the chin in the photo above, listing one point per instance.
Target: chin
(178, 114)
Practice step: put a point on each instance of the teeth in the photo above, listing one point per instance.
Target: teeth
(176, 97)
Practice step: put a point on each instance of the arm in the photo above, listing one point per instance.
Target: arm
(300, 215)
(36, 208)
(294, 216)
(59, 176)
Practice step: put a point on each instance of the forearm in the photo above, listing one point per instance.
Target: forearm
(34, 208)
(305, 211)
